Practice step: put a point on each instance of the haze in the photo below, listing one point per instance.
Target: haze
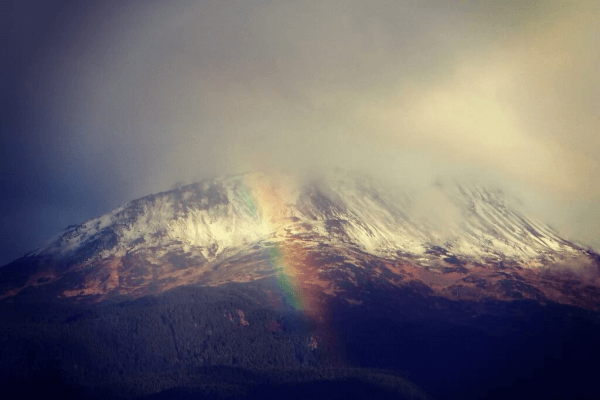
(107, 103)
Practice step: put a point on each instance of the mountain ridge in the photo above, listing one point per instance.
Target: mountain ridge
(226, 229)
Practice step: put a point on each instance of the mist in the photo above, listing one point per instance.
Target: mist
(111, 102)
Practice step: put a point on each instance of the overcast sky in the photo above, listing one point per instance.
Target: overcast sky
(103, 104)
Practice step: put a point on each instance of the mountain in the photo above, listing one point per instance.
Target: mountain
(259, 285)
(461, 242)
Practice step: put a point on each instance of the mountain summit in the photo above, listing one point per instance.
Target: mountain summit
(332, 236)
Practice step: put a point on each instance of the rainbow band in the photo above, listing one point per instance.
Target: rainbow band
(267, 202)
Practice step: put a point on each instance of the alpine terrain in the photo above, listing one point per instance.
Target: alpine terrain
(260, 285)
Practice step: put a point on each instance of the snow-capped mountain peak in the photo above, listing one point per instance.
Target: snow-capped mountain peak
(226, 229)
(224, 215)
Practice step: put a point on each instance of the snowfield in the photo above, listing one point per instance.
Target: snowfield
(224, 215)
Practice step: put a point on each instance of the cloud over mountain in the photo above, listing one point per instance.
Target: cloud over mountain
(111, 102)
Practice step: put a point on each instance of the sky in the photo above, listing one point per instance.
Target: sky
(104, 103)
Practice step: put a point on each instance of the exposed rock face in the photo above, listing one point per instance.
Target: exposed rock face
(243, 320)
(333, 237)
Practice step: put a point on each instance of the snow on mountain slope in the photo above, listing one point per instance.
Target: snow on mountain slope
(325, 233)
(227, 214)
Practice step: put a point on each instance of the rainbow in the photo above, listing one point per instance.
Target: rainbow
(266, 200)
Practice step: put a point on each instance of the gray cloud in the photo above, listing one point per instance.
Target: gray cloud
(128, 98)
